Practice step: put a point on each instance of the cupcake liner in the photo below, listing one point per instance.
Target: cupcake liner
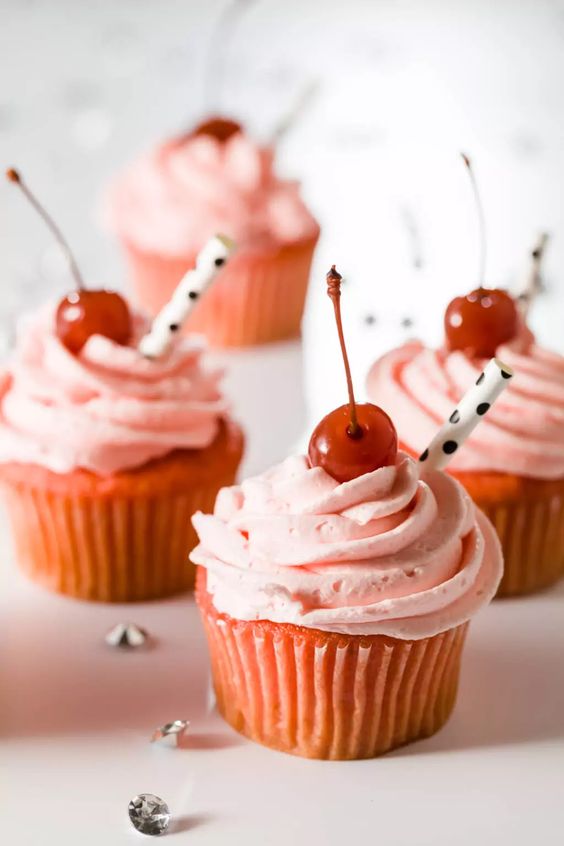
(121, 539)
(258, 298)
(325, 695)
(528, 515)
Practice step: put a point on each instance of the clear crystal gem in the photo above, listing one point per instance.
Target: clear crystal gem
(126, 635)
(170, 733)
(149, 814)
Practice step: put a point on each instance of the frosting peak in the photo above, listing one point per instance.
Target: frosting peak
(523, 433)
(171, 200)
(107, 408)
(386, 553)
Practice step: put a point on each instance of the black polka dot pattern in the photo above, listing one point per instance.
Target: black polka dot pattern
(370, 320)
(193, 295)
(455, 416)
(482, 408)
(424, 455)
(219, 261)
(174, 327)
(481, 378)
(449, 447)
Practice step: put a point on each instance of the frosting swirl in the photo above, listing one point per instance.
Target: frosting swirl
(172, 199)
(523, 433)
(107, 408)
(386, 553)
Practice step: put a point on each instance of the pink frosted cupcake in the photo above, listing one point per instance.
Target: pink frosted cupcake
(112, 433)
(104, 456)
(336, 613)
(336, 590)
(513, 465)
(171, 200)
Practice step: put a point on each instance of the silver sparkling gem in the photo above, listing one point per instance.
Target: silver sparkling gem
(149, 814)
(126, 636)
(170, 733)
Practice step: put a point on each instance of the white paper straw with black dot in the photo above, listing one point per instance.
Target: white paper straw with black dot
(533, 284)
(467, 414)
(210, 260)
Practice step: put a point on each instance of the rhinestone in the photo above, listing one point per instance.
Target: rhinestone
(170, 733)
(126, 636)
(149, 814)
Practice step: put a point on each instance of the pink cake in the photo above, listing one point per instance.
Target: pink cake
(105, 455)
(513, 464)
(336, 613)
(216, 179)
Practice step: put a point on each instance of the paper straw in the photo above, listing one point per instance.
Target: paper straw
(466, 416)
(170, 318)
(533, 282)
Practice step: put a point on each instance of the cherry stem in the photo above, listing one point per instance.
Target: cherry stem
(15, 177)
(334, 291)
(481, 219)
(222, 34)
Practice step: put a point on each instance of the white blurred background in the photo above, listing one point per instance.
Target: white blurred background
(402, 88)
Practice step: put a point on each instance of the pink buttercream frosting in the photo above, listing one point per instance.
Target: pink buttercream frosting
(106, 409)
(386, 553)
(523, 432)
(172, 199)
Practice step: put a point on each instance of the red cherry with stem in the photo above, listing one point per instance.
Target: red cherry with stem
(345, 456)
(481, 321)
(82, 313)
(353, 439)
(487, 317)
(217, 127)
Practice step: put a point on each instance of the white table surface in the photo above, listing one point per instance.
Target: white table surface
(76, 717)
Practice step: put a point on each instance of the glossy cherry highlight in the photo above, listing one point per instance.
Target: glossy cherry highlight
(481, 321)
(82, 313)
(353, 439)
(345, 456)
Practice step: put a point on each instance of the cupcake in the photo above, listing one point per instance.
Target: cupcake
(216, 178)
(513, 465)
(105, 453)
(336, 591)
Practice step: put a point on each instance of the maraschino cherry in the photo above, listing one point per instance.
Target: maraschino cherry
(82, 313)
(217, 127)
(481, 321)
(355, 438)
(486, 317)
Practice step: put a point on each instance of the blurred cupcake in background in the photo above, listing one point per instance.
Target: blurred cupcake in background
(216, 178)
(513, 466)
(105, 452)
